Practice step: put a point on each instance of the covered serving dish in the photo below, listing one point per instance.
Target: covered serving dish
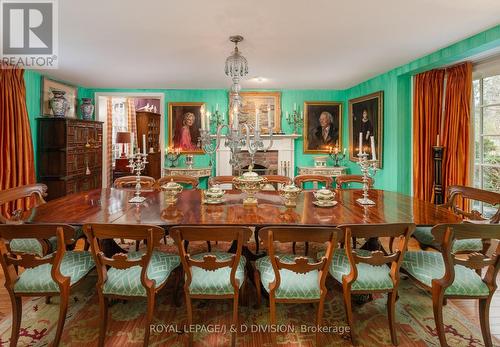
(171, 189)
(213, 195)
(324, 194)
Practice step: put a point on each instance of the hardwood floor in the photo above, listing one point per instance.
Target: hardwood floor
(468, 307)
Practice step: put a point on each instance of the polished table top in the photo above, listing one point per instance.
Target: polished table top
(112, 206)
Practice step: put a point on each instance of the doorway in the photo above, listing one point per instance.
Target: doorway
(131, 119)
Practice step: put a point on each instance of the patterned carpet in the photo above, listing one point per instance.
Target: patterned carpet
(126, 326)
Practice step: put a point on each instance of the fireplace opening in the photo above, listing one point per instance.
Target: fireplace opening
(265, 163)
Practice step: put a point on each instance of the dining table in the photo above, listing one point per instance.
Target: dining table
(110, 205)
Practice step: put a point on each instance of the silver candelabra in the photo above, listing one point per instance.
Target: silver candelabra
(137, 163)
(368, 168)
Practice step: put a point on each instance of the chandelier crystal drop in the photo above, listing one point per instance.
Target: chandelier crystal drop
(236, 64)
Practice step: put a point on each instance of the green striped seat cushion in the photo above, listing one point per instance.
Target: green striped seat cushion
(370, 277)
(127, 282)
(39, 279)
(292, 285)
(426, 266)
(425, 237)
(217, 282)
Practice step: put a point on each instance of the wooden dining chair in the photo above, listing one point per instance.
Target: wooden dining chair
(301, 179)
(189, 181)
(132, 275)
(455, 193)
(224, 181)
(16, 198)
(212, 275)
(49, 275)
(294, 279)
(130, 182)
(347, 179)
(361, 271)
(447, 275)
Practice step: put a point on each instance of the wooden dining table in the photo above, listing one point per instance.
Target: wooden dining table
(112, 206)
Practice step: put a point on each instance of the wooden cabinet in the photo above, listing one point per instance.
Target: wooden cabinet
(69, 154)
(148, 123)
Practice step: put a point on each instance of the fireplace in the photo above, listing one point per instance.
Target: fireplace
(265, 163)
(279, 159)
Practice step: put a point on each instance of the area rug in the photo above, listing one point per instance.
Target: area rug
(295, 321)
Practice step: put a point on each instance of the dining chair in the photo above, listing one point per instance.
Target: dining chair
(15, 197)
(130, 182)
(48, 275)
(132, 275)
(288, 278)
(224, 181)
(212, 275)
(447, 275)
(276, 181)
(361, 271)
(347, 179)
(301, 179)
(189, 181)
(455, 193)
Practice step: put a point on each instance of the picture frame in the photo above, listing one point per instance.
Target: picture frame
(47, 86)
(184, 123)
(373, 104)
(250, 100)
(322, 126)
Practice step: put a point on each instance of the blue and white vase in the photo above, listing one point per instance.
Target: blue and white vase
(58, 103)
(87, 109)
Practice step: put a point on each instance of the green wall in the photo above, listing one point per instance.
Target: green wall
(396, 84)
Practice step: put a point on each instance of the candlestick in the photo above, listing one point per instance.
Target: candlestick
(360, 143)
(336, 156)
(374, 154)
(137, 163)
(368, 168)
(296, 119)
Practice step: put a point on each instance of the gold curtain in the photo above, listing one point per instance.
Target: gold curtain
(109, 137)
(427, 108)
(456, 126)
(16, 147)
(132, 125)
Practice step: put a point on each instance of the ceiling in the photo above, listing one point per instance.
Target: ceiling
(294, 44)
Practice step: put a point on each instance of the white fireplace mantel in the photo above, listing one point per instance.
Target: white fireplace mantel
(284, 144)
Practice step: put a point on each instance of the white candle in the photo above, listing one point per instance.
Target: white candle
(294, 106)
(345, 149)
(269, 119)
(287, 115)
(374, 154)
(235, 118)
(360, 150)
(437, 141)
(132, 144)
(202, 119)
(144, 144)
(257, 119)
(217, 107)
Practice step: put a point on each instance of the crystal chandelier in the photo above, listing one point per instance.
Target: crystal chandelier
(238, 135)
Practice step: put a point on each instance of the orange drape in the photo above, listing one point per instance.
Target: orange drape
(16, 147)
(456, 127)
(427, 108)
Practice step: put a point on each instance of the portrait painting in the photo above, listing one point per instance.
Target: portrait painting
(265, 103)
(184, 126)
(322, 126)
(71, 94)
(366, 117)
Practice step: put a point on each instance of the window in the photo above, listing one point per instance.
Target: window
(120, 123)
(486, 91)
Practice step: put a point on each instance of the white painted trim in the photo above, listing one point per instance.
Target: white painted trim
(103, 117)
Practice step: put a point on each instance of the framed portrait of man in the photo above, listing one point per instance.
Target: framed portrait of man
(184, 123)
(322, 126)
(366, 116)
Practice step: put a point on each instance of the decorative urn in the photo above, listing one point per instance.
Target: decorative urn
(289, 193)
(58, 103)
(324, 194)
(171, 189)
(87, 109)
(249, 183)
